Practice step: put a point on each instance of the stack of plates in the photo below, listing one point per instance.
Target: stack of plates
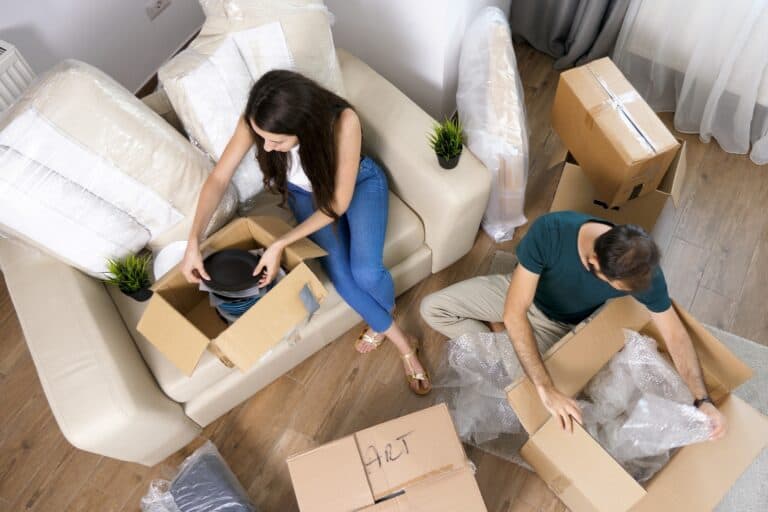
(233, 288)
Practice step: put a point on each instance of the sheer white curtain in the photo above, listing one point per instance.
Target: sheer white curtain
(706, 60)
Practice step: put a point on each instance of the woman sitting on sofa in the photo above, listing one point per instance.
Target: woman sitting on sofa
(308, 147)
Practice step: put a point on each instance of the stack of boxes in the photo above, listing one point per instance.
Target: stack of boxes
(623, 164)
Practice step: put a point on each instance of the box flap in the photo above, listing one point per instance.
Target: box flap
(267, 229)
(234, 235)
(573, 360)
(405, 450)
(576, 192)
(455, 491)
(173, 335)
(579, 471)
(270, 319)
(698, 476)
(673, 180)
(723, 371)
(330, 478)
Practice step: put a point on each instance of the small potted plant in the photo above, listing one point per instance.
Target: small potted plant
(131, 275)
(447, 141)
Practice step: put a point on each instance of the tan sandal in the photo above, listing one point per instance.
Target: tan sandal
(374, 340)
(414, 377)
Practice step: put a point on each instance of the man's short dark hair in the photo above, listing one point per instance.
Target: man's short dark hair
(628, 254)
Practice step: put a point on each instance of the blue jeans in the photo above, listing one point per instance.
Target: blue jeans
(355, 245)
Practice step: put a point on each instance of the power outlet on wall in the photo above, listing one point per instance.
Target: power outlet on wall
(155, 7)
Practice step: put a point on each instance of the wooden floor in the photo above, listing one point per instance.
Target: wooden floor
(715, 254)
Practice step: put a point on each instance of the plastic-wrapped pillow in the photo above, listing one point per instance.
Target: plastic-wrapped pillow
(88, 172)
(492, 112)
(204, 484)
(208, 83)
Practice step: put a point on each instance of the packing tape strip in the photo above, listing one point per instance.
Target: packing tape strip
(309, 300)
(617, 102)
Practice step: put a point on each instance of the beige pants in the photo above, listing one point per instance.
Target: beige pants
(465, 306)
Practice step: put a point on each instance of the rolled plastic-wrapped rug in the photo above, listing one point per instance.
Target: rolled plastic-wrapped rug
(492, 112)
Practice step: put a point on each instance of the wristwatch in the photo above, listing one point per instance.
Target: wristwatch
(697, 403)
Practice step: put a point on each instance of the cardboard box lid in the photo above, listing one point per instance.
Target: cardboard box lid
(455, 491)
(579, 470)
(615, 105)
(309, 474)
(404, 450)
(387, 458)
(576, 358)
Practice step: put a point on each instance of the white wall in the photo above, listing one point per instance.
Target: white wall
(415, 44)
(114, 35)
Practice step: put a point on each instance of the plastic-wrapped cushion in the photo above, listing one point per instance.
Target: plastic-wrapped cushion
(88, 172)
(639, 409)
(208, 83)
(204, 484)
(305, 23)
(492, 111)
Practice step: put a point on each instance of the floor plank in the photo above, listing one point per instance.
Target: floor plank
(715, 250)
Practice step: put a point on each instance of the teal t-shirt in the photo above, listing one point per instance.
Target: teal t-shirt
(567, 291)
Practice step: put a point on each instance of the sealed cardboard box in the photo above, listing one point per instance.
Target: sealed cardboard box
(576, 192)
(412, 463)
(181, 323)
(620, 143)
(586, 477)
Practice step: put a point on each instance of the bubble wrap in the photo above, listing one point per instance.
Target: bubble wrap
(204, 484)
(470, 379)
(638, 408)
(492, 111)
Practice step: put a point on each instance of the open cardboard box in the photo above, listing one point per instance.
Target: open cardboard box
(620, 142)
(575, 191)
(182, 324)
(584, 476)
(414, 463)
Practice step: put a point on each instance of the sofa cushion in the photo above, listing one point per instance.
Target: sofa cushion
(405, 236)
(88, 172)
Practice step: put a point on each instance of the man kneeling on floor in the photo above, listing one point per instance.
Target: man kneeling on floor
(569, 265)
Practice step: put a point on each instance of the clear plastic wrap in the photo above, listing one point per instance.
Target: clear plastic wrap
(204, 484)
(471, 379)
(639, 409)
(89, 172)
(492, 111)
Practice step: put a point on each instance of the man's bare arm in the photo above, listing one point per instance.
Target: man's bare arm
(522, 289)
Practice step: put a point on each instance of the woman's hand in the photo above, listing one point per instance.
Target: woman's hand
(192, 264)
(269, 263)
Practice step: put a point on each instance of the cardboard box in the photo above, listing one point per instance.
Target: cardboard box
(619, 141)
(575, 192)
(412, 463)
(584, 476)
(181, 323)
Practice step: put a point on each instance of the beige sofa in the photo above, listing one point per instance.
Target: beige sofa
(114, 394)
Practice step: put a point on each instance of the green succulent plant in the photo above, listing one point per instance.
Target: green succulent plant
(130, 274)
(447, 139)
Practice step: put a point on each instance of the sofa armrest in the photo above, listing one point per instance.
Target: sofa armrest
(450, 203)
(101, 393)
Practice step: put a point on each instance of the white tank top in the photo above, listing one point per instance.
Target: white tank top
(296, 174)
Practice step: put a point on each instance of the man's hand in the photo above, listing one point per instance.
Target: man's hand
(560, 406)
(717, 421)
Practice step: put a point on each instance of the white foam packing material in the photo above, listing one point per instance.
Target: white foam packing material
(492, 111)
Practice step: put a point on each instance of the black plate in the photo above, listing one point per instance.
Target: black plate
(231, 270)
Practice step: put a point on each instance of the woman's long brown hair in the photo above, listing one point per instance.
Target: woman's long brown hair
(289, 103)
